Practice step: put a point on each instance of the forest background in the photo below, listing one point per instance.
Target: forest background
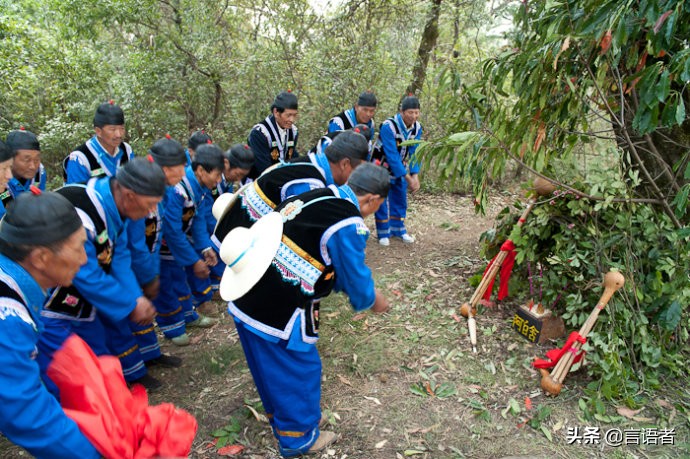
(591, 94)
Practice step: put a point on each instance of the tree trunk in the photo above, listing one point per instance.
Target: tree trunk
(426, 46)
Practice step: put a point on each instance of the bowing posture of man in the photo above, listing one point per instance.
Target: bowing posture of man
(321, 249)
(105, 292)
(41, 246)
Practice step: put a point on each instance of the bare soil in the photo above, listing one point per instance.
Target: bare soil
(470, 405)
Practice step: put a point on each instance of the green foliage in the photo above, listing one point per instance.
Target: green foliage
(640, 336)
(431, 388)
(573, 72)
(229, 434)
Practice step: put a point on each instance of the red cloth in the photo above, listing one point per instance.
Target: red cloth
(554, 355)
(506, 270)
(118, 422)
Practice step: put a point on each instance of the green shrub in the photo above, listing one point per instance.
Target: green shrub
(640, 335)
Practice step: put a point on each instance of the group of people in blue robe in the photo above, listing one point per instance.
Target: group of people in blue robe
(150, 253)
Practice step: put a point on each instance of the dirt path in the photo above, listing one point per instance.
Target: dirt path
(405, 384)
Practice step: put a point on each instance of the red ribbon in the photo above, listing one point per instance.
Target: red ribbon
(506, 270)
(554, 355)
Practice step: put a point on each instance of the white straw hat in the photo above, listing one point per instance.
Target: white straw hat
(225, 201)
(248, 253)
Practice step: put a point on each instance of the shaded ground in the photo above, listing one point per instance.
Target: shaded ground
(407, 384)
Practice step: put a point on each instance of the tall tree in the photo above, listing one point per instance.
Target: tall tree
(426, 47)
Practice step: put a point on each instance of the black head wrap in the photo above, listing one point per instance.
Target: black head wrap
(367, 99)
(409, 102)
(370, 178)
(198, 138)
(210, 157)
(241, 156)
(36, 218)
(143, 176)
(168, 152)
(348, 144)
(364, 130)
(5, 152)
(22, 140)
(108, 113)
(285, 100)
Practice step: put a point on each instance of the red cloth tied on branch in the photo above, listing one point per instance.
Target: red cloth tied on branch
(554, 355)
(118, 422)
(506, 270)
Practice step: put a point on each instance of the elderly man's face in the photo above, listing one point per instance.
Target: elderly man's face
(285, 119)
(26, 164)
(67, 260)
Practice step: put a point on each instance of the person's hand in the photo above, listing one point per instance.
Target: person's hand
(201, 269)
(412, 182)
(210, 257)
(143, 312)
(152, 288)
(381, 303)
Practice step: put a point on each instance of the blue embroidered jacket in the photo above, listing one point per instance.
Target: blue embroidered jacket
(78, 167)
(393, 132)
(185, 232)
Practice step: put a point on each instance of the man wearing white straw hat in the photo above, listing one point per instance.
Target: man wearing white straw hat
(272, 277)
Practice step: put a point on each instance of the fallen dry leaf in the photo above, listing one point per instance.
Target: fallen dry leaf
(359, 316)
(528, 403)
(380, 444)
(642, 419)
(627, 412)
(664, 404)
(373, 399)
(230, 450)
(258, 416)
(344, 380)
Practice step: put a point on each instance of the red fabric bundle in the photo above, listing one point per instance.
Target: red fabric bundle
(118, 422)
(554, 355)
(506, 270)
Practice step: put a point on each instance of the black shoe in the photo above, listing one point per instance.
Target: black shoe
(148, 381)
(165, 360)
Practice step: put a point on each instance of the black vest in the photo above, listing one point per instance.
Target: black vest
(379, 155)
(288, 150)
(94, 166)
(346, 121)
(318, 148)
(188, 213)
(272, 301)
(265, 191)
(67, 301)
(152, 225)
(6, 291)
(6, 196)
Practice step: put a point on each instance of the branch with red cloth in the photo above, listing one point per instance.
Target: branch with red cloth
(505, 259)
